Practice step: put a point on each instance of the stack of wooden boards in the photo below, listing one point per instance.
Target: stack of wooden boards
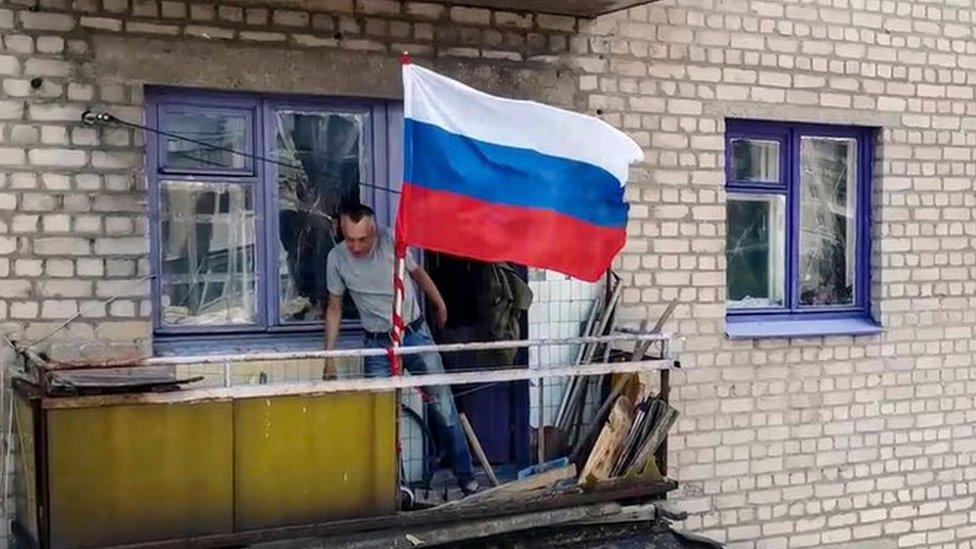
(617, 452)
(629, 436)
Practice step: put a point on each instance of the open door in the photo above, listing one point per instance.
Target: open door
(487, 302)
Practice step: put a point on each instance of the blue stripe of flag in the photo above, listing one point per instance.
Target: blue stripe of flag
(441, 160)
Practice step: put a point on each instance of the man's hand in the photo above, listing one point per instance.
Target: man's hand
(440, 316)
(437, 304)
(330, 371)
(333, 316)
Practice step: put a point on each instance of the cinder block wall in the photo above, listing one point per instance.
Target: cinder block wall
(866, 442)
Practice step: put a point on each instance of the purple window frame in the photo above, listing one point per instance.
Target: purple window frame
(382, 144)
(793, 319)
(249, 113)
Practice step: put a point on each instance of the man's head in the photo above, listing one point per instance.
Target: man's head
(359, 228)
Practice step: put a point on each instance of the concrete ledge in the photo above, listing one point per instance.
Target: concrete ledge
(802, 113)
(766, 329)
(279, 68)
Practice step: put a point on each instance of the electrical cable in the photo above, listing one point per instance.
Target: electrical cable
(92, 118)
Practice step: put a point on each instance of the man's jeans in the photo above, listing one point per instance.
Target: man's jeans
(442, 412)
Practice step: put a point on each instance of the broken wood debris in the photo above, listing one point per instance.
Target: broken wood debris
(478, 528)
(628, 439)
(527, 487)
(609, 444)
(542, 501)
(571, 419)
(594, 514)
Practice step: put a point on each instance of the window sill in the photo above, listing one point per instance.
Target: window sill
(764, 329)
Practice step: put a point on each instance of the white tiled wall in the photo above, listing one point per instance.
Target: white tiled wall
(411, 439)
(560, 307)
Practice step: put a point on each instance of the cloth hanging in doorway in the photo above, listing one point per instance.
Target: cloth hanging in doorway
(502, 299)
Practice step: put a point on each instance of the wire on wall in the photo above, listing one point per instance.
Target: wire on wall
(105, 118)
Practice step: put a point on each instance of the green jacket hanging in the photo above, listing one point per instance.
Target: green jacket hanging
(502, 298)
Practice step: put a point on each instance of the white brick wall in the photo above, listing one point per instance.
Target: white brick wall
(846, 442)
(810, 443)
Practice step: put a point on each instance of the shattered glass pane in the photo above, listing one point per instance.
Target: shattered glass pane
(828, 221)
(755, 249)
(755, 160)
(227, 131)
(207, 254)
(326, 154)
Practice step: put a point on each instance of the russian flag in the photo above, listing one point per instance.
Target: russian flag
(498, 179)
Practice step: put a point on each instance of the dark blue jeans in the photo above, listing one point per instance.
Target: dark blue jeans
(442, 413)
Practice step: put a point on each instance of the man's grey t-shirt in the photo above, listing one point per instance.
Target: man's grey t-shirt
(369, 280)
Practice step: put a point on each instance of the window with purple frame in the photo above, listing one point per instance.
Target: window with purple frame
(797, 229)
(244, 191)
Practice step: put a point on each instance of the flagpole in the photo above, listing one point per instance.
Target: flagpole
(396, 336)
(399, 275)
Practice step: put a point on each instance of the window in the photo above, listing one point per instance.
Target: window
(797, 225)
(244, 190)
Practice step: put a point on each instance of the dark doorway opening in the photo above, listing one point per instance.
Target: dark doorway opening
(478, 311)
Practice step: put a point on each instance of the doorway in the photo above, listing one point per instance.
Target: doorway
(498, 412)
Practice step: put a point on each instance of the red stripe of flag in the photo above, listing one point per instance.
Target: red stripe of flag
(456, 224)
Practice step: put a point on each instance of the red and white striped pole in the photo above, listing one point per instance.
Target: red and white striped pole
(396, 335)
(399, 274)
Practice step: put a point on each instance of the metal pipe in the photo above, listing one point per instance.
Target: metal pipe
(228, 378)
(356, 385)
(574, 398)
(340, 353)
(7, 451)
(570, 388)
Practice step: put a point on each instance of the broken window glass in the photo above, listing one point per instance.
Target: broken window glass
(755, 250)
(195, 136)
(321, 157)
(827, 220)
(755, 160)
(207, 254)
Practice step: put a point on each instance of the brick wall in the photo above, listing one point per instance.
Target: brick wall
(856, 442)
(859, 442)
(72, 198)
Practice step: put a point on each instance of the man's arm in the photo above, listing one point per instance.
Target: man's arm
(333, 318)
(426, 284)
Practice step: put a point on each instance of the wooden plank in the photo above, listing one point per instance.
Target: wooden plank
(654, 439)
(661, 457)
(478, 450)
(321, 387)
(536, 482)
(587, 441)
(642, 412)
(471, 530)
(613, 490)
(629, 513)
(142, 362)
(608, 444)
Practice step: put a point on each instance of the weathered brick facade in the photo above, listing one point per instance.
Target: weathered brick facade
(859, 442)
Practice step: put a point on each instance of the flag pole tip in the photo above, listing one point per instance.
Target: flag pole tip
(405, 58)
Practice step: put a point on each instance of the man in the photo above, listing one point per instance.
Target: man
(363, 265)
